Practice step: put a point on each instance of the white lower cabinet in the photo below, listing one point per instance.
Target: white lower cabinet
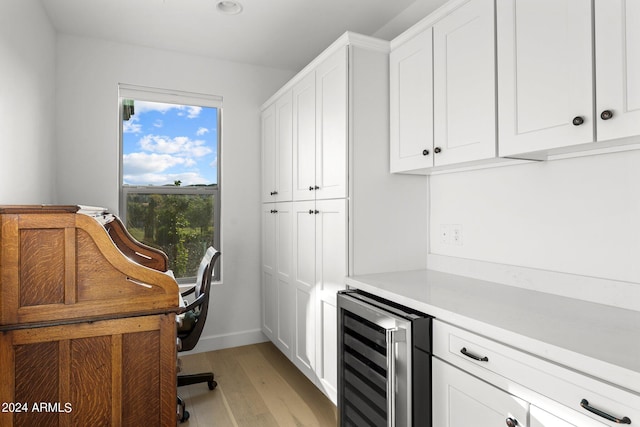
(319, 267)
(481, 382)
(542, 418)
(277, 284)
(462, 400)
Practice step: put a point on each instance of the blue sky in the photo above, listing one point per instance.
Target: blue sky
(163, 143)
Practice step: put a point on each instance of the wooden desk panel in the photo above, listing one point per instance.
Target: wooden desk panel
(105, 373)
(87, 334)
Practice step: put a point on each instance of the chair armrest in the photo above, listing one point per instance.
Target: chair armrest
(188, 291)
(193, 305)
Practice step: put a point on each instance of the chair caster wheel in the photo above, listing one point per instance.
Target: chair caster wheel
(212, 384)
(185, 416)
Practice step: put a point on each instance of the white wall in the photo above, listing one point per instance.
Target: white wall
(579, 216)
(27, 66)
(88, 74)
(415, 12)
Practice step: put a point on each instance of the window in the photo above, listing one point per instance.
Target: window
(169, 173)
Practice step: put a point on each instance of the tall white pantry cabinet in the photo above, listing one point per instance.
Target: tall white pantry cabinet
(330, 206)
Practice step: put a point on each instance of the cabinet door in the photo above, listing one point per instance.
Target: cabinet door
(268, 130)
(268, 280)
(541, 418)
(304, 138)
(544, 74)
(462, 400)
(304, 277)
(331, 130)
(285, 290)
(617, 26)
(284, 147)
(331, 269)
(411, 104)
(464, 84)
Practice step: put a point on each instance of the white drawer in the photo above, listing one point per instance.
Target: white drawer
(532, 378)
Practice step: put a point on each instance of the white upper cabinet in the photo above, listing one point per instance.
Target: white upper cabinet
(464, 84)
(617, 37)
(442, 93)
(411, 103)
(320, 131)
(331, 127)
(304, 138)
(277, 142)
(268, 129)
(546, 74)
(545, 96)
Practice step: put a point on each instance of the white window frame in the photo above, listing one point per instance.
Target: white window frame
(142, 93)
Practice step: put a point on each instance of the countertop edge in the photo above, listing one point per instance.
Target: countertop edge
(617, 376)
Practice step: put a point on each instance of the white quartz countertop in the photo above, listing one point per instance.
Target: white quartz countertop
(596, 339)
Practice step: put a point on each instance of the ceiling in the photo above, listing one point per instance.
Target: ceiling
(284, 34)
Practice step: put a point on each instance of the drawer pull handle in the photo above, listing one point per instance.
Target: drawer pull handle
(585, 404)
(464, 351)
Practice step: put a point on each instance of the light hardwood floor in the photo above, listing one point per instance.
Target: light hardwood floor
(257, 386)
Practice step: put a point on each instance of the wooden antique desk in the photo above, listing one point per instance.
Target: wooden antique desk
(87, 322)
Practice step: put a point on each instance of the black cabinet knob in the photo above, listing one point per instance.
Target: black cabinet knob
(310, 211)
(606, 114)
(437, 150)
(577, 121)
(273, 193)
(425, 152)
(511, 422)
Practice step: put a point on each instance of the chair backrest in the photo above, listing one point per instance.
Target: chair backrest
(201, 303)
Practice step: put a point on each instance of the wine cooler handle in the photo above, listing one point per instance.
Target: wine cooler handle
(393, 336)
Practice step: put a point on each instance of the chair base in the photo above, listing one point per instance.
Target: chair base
(205, 377)
(188, 379)
(183, 414)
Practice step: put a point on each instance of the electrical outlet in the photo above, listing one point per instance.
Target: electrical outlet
(456, 234)
(445, 234)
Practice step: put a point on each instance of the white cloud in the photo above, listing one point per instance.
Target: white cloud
(193, 112)
(180, 145)
(144, 163)
(201, 131)
(132, 125)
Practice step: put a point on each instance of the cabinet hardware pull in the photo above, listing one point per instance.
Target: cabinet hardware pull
(464, 351)
(585, 404)
(437, 150)
(316, 212)
(273, 193)
(311, 188)
(577, 121)
(310, 211)
(511, 422)
(316, 188)
(606, 114)
(274, 211)
(425, 152)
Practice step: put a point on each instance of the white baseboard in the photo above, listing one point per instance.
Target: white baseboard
(235, 339)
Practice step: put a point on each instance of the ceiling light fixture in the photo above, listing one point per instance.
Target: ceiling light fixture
(229, 7)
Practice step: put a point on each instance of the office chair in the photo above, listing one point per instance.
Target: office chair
(194, 317)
